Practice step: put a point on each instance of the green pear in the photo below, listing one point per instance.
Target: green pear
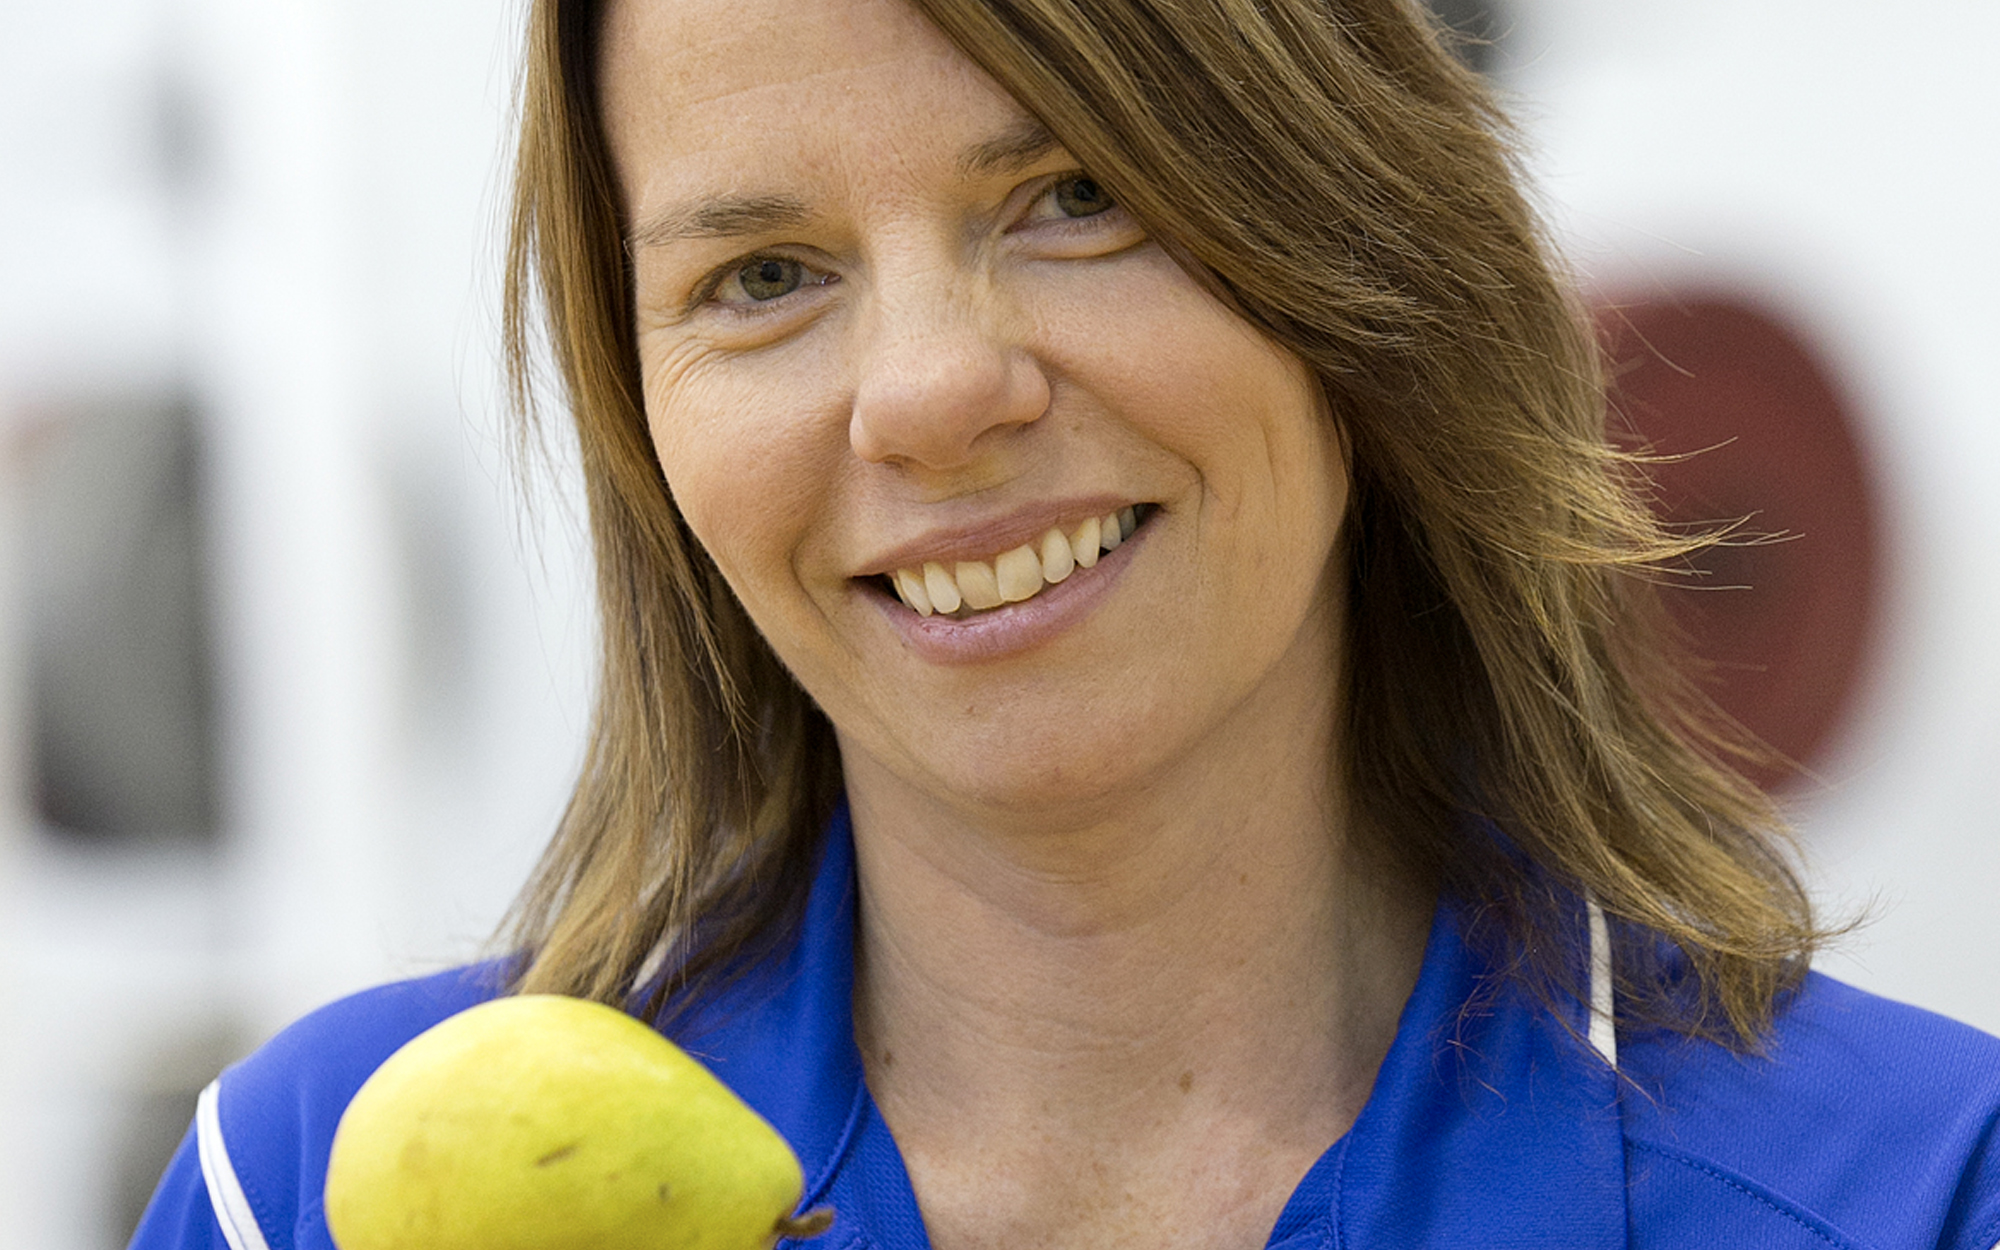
(547, 1123)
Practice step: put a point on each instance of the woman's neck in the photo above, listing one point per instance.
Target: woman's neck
(1080, 1028)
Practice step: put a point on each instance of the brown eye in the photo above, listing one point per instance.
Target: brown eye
(771, 277)
(1081, 197)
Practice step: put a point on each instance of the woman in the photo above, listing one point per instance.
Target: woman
(1130, 709)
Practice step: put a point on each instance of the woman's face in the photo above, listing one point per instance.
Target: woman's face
(887, 326)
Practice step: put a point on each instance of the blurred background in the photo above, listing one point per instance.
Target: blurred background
(294, 668)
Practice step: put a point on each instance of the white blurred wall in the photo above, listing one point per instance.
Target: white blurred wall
(405, 651)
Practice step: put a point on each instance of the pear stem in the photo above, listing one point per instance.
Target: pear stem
(811, 1224)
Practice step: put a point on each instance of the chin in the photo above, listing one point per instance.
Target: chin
(1012, 769)
(1075, 780)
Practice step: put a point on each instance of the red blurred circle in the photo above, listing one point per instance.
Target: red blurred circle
(1764, 435)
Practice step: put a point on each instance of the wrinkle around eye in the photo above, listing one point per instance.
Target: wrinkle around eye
(1098, 236)
(665, 367)
(679, 336)
(697, 321)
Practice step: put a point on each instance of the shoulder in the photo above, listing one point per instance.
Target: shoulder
(340, 1045)
(1863, 1123)
(270, 1119)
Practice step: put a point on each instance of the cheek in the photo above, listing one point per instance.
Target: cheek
(1197, 380)
(743, 473)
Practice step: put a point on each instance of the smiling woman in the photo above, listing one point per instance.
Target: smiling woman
(1131, 707)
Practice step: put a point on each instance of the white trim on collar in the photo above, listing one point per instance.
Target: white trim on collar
(1603, 1033)
(225, 1192)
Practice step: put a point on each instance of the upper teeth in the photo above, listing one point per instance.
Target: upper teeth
(1013, 575)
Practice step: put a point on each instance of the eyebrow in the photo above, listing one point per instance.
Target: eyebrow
(726, 217)
(1018, 147)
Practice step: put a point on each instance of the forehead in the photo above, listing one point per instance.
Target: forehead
(697, 88)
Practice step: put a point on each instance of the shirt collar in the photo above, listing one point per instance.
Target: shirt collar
(1491, 1122)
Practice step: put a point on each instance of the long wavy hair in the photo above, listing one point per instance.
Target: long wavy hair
(1518, 730)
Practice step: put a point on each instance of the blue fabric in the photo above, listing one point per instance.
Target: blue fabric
(1866, 1125)
(180, 1214)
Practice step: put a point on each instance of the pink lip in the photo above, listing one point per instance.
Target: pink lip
(987, 539)
(1016, 627)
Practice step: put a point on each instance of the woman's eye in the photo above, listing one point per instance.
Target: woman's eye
(1074, 215)
(754, 286)
(770, 277)
(1080, 196)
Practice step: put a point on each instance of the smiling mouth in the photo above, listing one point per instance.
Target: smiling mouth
(966, 588)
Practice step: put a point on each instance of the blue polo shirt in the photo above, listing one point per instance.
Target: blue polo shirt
(1866, 1125)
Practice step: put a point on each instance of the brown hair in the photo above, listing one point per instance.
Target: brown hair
(1517, 727)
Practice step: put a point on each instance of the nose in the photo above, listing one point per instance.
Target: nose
(943, 371)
